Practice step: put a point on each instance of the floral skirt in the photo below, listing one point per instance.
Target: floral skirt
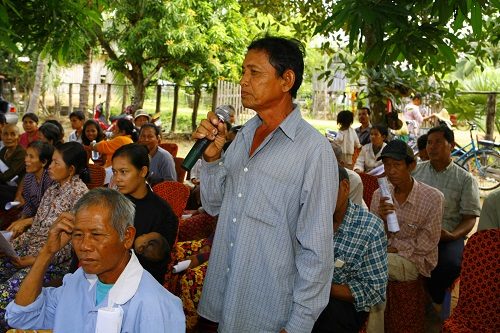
(11, 278)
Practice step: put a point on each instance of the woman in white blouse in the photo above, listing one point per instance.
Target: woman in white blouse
(367, 159)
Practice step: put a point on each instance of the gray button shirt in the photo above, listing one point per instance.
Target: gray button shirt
(460, 189)
(271, 261)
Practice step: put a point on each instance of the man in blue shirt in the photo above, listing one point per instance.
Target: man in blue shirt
(110, 289)
(360, 259)
(274, 190)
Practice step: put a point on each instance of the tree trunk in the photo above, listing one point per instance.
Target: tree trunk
(85, 86)
(176, 104)
(37, 85)
(139, 94)
(196, 105)
(490, 116)
(214, 98)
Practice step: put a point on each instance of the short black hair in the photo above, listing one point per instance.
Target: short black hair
(59, 126)
(367, 109)
(136, 153)
(343, 173)
(78, 114)
(3, 120)
(31, 116)
(447, 132)
(74, 155)
(382, 129)
(284, 53)
(345, 118)
(150, 125)
(422, 142)
(45, 151)
(51, 132)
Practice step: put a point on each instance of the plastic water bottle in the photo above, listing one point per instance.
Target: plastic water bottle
(95, 154)
(392, 219)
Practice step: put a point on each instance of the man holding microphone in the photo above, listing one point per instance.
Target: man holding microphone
(274, 190)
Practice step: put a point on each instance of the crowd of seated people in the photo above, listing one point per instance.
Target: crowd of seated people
(52, 175)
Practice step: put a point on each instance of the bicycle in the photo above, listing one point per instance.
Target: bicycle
(482, 163)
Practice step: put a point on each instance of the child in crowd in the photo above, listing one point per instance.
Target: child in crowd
(93, 131)
(30, 126)
(347, 137)
(77, 118)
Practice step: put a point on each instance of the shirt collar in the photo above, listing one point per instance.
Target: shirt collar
(127, 284)
(288, 125)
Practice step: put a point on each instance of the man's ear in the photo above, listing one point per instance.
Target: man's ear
(128, 238)
(288, 80)
(144, 171)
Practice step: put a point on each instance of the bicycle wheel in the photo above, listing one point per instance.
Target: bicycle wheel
(484, 165)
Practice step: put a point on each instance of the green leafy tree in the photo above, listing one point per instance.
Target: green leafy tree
(185, 38)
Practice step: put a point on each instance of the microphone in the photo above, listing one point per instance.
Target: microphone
(199, 147)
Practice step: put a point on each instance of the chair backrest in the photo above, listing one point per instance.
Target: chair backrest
(172, 148)
(175, 193)
(181, 173)
(97, 176)
(480, 283)
(370, 185)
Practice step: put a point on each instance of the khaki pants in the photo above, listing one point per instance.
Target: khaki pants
(400, 269)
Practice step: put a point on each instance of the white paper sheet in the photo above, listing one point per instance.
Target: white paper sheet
(181, 266)
(11, 204)
(7, 234)
(6, 247)
(109, 320)
(3, 166)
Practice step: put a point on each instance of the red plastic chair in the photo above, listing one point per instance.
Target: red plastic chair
(97, 176)
(172, 148)
(175, 193)
(370, 185)
(478, 305)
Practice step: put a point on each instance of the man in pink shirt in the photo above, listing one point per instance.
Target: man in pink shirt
(413, 250)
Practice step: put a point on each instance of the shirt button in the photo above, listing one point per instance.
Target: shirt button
(231, 244)
(245, 169)
(221, 163)
(234, 220)
(239, 195)
(227, 270)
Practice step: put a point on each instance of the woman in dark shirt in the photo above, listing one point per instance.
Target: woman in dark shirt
(152, 214)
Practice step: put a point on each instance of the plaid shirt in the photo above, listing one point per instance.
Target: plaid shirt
(361, 244)
(419, 219)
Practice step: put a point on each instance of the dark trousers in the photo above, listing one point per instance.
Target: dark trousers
(7, 194)
(340, 317)
(446, 270)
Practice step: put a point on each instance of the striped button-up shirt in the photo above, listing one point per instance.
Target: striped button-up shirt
(360, 248)
(419, 219)
(271, 261)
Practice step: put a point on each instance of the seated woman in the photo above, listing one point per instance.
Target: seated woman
(50, 133)
(69, 171)
(30, 126)
(123, 133)
(35, 183)
(152, 213)
(367, 159)
(11, 164)
(92, 131)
